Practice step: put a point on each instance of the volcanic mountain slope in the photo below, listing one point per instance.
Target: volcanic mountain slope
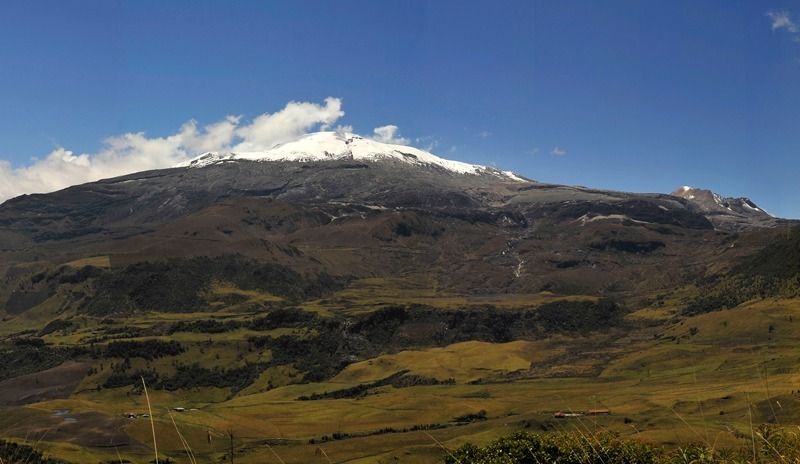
(319, 169)
(352, 207)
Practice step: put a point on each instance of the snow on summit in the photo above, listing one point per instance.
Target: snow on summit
(329, 145)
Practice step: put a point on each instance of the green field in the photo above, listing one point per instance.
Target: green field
(666, 380)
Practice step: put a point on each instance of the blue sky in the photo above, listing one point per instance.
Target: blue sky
(638, 96)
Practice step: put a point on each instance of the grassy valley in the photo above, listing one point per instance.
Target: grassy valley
(392, 381)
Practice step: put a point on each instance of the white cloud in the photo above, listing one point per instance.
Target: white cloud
(343, 130)
(558, 151)
(133, 152)
(534, 151)
(427, 143)
(388, 134)
(782, 20)
(294, 120)
(484, 134)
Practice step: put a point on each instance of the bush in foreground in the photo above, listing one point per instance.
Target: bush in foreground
(770, 445)
(13, 453)
(561, 448)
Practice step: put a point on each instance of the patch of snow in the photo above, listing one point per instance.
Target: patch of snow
(609, 217)
(749, 206)
(514, 176)
(207, 159)
(518, 270)
(328, 146)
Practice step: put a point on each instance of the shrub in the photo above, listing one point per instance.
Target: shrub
(145, 349)
(560, 448)
(179, 285)
(774, 445)
(16, 453)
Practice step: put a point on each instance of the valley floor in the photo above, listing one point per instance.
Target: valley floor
(705, 379)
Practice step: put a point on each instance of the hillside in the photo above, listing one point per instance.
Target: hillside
(379, 303)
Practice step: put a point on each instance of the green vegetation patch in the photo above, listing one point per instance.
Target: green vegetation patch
(562, 448)
(187, 377)
(145, 349)
(275, 319)
(774, 446)
(569, 315)
(772, 272)
(180, 285)
(338, 343)
(11, 452)
(57, 325)
(27, 356)
(401, 379)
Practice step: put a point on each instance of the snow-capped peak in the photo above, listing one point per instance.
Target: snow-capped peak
(713, 202)
(328, 146)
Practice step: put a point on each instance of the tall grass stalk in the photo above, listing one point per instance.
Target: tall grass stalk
(319, 448)
(769, 396)
(442, 446)
(118, 455)
(185, 443)
(152, 423)
(276, 454)
(774, 450)
(699, 435)
(588, 436)
(752, 432)
(702, 413)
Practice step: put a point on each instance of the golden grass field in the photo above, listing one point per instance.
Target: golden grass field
(700, 379)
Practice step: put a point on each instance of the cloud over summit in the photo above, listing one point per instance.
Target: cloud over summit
(389, 134)
(135, 151)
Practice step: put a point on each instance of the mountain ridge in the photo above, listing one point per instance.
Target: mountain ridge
(726, 212)
(332, 145)
(338, 151)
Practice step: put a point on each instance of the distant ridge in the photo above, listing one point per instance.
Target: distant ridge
(726, 211)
